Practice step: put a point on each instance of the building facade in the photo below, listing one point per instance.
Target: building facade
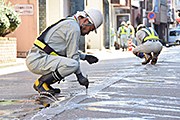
(43, 13)
(27, 32)
(46, 12)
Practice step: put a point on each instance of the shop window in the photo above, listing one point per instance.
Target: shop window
(149, 5)
(114, 1)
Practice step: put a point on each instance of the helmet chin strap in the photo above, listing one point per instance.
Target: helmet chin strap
(89, 24)
(82, 24)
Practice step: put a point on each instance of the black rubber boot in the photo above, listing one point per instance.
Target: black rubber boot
(42, 84)
(56, 90)
(147, 57)
(154, 59)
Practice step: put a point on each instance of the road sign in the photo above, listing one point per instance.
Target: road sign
(151, 15)
(151, 21)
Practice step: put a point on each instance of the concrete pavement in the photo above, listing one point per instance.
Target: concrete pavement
(120, 88)
(13, 67)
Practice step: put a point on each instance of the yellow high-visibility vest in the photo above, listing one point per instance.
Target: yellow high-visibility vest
(111, 33)
(150, 34)
(131, 31)
(123, 31)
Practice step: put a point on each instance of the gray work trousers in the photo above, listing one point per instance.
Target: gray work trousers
(42, 64)
(148, 47)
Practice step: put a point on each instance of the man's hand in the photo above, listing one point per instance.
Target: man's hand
(91, 59)
(82, 80)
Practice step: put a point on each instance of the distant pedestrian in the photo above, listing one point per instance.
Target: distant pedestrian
(148, 42)
(130, 32)
(112, 37)
(55, 54)
(122, 33)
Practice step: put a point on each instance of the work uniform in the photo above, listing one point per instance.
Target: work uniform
(148, 41)
(122, 32)
(112, 36)
(64, 39)
(55, 55)
(130, 33)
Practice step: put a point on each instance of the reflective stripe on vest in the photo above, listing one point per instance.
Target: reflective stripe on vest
(46, 48)
(131, 31)
(150, 34)
(123, 31)
(111, 33)
(40, 43)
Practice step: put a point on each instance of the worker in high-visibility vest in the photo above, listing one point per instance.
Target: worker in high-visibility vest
(55, 54)
(148, 44)
(112, 37)
(122, 34)
(130, 32)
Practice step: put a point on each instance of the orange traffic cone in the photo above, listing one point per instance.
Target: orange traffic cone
(130, 45)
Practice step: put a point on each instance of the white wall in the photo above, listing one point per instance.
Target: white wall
(95, 40)
(56, 9)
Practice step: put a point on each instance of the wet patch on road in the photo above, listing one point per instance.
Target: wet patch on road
(17, 108)
(21, 108)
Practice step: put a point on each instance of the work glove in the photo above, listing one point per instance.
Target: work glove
(82, 80)
(91, 59)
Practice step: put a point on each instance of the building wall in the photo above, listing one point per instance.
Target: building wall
(46, 12)
(93, 40)
(7, 50)
(27, 32)
(56, 10)
(42, 15)
(78, 5)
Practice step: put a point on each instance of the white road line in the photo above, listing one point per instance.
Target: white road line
(52, 111)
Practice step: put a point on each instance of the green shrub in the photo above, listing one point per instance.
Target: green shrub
(9, 19)
(4, 23)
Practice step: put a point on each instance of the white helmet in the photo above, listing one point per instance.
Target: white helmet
(140, 26)
(123, 23)
(96, 16)
(128, 22)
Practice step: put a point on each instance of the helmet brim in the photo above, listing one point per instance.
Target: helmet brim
(92, 21)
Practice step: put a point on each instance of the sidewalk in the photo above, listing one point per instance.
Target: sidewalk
(19, 61)
(13, 67)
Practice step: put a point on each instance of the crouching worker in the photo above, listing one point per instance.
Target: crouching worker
(149, 46)
(55, 54)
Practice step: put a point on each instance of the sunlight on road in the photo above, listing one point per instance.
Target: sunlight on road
(19, 66)
(110, 54)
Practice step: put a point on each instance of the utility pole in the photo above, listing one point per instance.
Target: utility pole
(130, 11)
(141, 6)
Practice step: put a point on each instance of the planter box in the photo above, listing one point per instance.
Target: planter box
(8, 50)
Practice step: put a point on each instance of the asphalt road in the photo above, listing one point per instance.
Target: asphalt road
(120, 88)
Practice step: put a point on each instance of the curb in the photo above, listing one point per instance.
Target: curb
(19, 61)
